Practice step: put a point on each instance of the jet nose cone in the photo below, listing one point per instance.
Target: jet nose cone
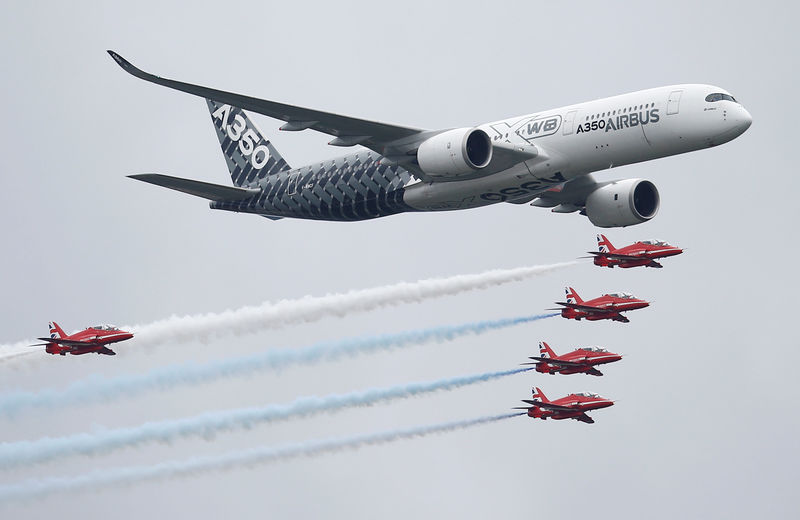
(746, 119)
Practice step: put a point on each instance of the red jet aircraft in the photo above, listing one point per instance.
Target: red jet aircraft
(573, 406)
(579, 361)
(606, 307)
(641, 253)
(92, 339)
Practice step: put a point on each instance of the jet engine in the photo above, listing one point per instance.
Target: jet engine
(455, 154)
(623, 203)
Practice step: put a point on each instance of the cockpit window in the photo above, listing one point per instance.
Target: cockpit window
(594, 349)
(104, 327)
(655, 242)
(719, 96)
(624, 295)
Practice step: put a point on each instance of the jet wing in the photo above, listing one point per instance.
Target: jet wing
(616, 256)
(205, 190)
(348, 130)
(548, 406)
(585, 418)
(551, 361)
(586, 308)
(71, 342)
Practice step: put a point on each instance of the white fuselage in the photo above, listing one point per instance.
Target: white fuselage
(579, 139)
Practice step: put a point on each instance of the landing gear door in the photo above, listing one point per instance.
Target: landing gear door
(674, 102)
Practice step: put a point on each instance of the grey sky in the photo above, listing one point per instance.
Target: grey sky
(706, 420)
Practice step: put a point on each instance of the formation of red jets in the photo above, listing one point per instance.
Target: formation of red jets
(582, 360)
(606, 307)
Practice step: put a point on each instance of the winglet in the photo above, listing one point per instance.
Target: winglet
(127, 66)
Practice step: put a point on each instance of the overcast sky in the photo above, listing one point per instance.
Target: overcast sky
(706, 420)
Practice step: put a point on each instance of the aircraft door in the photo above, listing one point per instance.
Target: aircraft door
(674, 102)
(291, 189)
(569, 122)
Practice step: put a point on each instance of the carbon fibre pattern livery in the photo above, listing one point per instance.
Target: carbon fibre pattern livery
(349, 188)
(239, 135)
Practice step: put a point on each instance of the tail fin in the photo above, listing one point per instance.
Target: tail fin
(545, 351)
(537, 393)
(572, 296)
(250, 157)
(604, 245)
(56, 332)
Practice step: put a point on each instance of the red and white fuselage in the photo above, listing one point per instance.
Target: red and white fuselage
(580, 361)
(572, 406)
(605, 307)
(642, 253)
(92, 339)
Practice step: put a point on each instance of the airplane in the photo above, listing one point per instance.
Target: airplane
(572, 406)
(579, 361)
(606, 307)
(637, 254)
(92, 339)
(544, 159)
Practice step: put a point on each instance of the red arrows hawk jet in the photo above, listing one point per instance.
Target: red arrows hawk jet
(606, 307)
(573, 406)
(640, 253)
(579, 361)
(93, 339)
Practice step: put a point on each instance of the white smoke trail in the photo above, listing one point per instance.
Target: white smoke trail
(98, 388)
(268, 315)
(247, 320)
(48, 448)
(261, 455)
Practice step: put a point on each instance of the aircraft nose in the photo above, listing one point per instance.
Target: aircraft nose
(744, 119)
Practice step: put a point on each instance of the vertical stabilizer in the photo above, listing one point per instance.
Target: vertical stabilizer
(545, 351)
(56, 332)
(604, 245)
(250, 157)
(572, 296)
(538, 394)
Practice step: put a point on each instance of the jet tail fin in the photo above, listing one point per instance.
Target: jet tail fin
(545, 351)
(56, 332)
(572, 296)
(205, 190)
(249, 155)
(538, 394)
(604, 245)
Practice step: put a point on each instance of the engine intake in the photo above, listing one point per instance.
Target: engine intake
(623, 203)
(455, 154)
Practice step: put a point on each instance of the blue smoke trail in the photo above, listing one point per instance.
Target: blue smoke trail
(48, 448)
(261, 455)
(98, 388)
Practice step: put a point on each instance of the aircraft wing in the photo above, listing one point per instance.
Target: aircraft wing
(585, 418)
(586, 308)
(616, 256)
(62, 341)
(551, 361)
(548, 406)
(347, 130)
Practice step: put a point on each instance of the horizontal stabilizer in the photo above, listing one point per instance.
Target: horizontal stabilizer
(206, 190)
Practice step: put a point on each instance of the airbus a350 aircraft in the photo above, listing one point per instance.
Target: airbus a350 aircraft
(544, 159)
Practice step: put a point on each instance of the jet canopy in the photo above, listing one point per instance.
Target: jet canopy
(589, 394)
(655, 242)
(594, 349)
(104, 326)
(624, 295)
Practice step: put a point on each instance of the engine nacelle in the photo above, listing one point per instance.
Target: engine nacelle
(623, 203)
(455, 154)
